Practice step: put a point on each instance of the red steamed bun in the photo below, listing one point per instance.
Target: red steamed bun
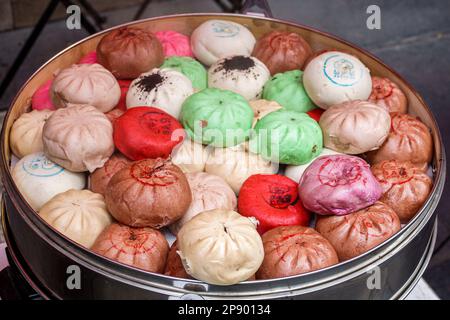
(147, 133)
(273, 201)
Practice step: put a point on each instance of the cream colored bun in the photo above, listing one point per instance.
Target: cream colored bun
(235, 165)
(296, 172)
(26, 132)
(79, 138)
(89, 84)
(355, 127)
(190, 156)
(262, 108)
(39, 179)
(80, 215)
(335, 77)
(216, 39)
(220, 247)
(165, 89)
(244, 75)
(208, 192)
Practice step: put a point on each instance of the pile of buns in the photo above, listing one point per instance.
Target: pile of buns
(263, 158)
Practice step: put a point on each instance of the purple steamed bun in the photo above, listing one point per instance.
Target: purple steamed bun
(338, 185)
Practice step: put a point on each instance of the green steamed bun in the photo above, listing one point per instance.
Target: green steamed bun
(217, 117)
(287, 89)
(288, 137)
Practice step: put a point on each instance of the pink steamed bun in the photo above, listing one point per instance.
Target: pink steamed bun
(338, 185)
(41, 99)
(174, 43)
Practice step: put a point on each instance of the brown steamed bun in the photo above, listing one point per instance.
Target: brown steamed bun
(174, 265)
(143, 248)
(292, 250)
(282, 51)
(148, 193)
(409, 139)
(405, 186)
(387, 94)
(358, 232)
(127, 52)
(98, 180)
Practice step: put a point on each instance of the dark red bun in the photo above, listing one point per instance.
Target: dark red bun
(147, 133)
(99, 179)
(174, 266)
(358, 232)
(294, 250)
(124, 86)
(282, 51)
(127, 52)
(273, 201)
(316, 113)
(143, 248)
(148, 193)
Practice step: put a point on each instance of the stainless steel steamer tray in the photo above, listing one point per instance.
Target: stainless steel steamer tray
(400, 261)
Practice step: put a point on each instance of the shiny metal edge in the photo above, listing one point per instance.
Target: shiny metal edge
(409, 286)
